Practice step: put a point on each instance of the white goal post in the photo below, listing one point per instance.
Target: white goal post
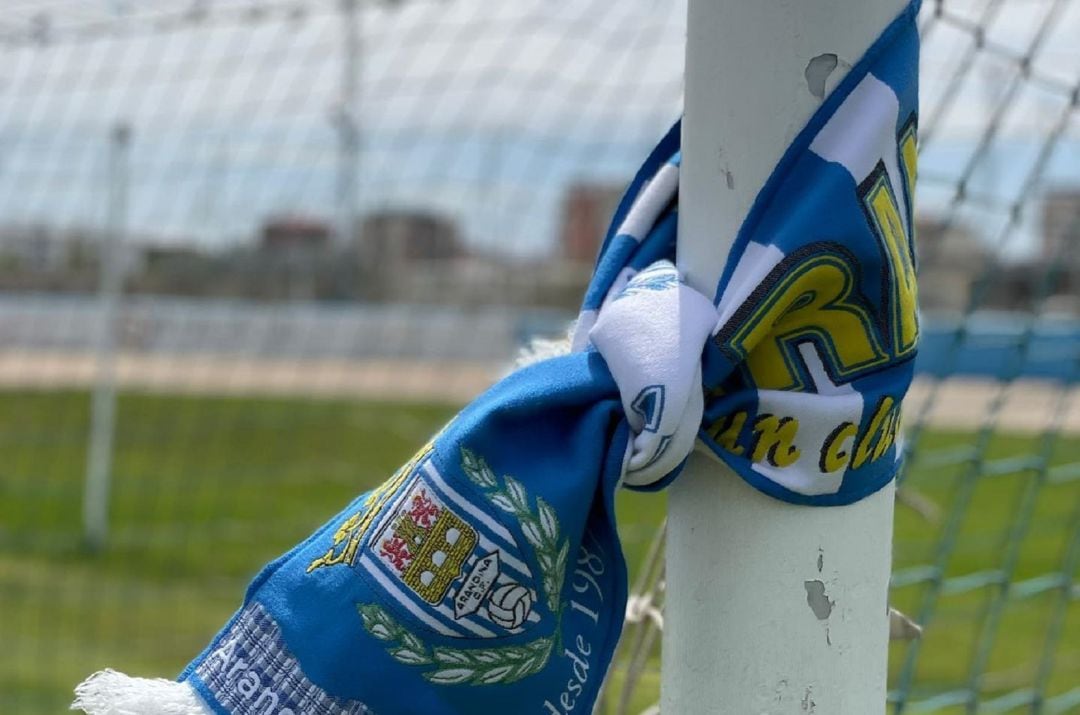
(770, 608)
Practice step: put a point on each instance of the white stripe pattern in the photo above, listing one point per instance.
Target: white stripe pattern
(654, 197)
(372, 567)
(862, 132)
(465, 505)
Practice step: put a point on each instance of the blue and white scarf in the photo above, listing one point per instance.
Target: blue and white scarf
(486, 574)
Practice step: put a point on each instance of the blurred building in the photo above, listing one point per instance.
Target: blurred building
(295, 236)
(33, 248)
(954, 265)
(292, 259)
(587, 210)
(405, 255)
(1061, 226)
(1060, 249)
(39, 258)
(177, 270)
(951, 259)
(392, 237)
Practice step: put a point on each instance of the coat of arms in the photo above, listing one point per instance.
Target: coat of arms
(453, 566)
(468, 572)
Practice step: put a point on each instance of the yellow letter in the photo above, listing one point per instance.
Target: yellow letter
(888, 435)
(811, 301)
(909, 159)
(875, 431)
(833, 457)
(725, 431)
(774, 440)
(903, 293)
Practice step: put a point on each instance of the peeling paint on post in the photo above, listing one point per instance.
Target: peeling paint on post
(817, 73)
(819, 602)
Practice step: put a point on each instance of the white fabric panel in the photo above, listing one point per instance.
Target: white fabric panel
(654, 197)
(818, 414)
(862, 132)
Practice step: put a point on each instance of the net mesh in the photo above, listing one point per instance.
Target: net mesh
(254, 252)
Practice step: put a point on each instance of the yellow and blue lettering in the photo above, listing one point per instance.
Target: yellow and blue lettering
(811, 296)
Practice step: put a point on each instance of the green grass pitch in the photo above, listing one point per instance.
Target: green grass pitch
(208, 489)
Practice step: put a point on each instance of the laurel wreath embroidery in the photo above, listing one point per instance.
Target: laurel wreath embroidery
(487, 666)
(541, 529)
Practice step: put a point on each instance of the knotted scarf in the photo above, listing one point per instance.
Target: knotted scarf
(486, 575)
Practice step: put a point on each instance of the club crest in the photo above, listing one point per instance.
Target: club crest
(430, 544)
(449, 562)
(459, 571)
(425, 543)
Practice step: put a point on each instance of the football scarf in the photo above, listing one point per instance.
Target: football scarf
(486, 574)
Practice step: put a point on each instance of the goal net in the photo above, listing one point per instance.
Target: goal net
(254, 252)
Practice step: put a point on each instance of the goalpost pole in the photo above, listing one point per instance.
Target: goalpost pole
(770, 608)
(99, 453)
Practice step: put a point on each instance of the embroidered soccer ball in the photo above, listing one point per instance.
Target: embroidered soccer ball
(510, 605)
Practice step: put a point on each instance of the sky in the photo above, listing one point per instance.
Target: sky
(484, 111)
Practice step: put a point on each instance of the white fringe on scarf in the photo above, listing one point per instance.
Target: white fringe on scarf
(111, 693)
(540, 349)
